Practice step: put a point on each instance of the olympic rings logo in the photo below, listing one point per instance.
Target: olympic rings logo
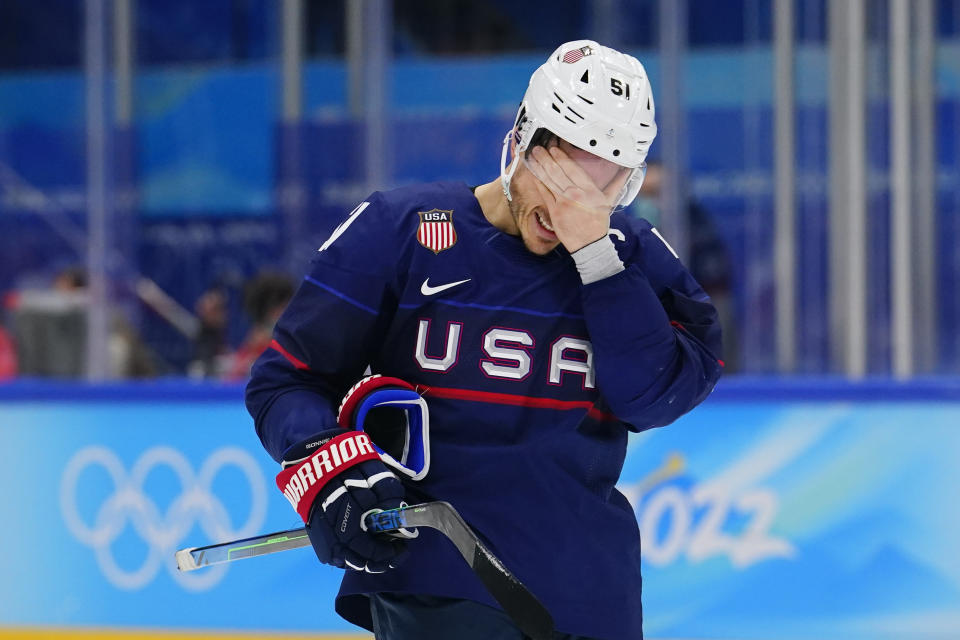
(163, 532)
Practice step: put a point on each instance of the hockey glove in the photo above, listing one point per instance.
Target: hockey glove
(396, 417)
(334, 480)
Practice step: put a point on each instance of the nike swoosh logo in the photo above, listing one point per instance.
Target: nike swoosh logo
(427, 290)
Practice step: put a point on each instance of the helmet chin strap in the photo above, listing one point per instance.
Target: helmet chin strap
(506, 176)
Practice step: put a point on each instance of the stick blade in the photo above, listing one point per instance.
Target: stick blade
(520, 604)
(185, 561)
(196, 557)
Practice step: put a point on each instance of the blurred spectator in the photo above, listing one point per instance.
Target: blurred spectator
(210, 349)
(50, 327)
(130, 357)
(8, 356)
(264, 299)
(70, 280)
(8, 349)
(709, 260)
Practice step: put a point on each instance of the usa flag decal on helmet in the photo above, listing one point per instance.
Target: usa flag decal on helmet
(436, 230)
(575, 55)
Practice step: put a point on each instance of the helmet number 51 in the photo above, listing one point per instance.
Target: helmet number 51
(617, 88)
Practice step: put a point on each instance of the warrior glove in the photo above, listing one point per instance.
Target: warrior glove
(336, 478)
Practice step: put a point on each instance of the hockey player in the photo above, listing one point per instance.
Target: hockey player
(539, 324)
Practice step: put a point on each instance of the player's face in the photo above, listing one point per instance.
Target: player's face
(530, 212)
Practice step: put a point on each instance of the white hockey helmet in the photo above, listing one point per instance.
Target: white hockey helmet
(595, 98)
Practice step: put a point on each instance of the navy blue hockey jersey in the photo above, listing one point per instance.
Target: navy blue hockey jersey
(532, 379)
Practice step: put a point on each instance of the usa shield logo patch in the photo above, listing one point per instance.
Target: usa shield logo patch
(436, 230)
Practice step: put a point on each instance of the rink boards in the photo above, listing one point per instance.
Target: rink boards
(774, 510)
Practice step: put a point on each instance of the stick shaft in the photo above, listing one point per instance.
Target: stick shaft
(519, 603)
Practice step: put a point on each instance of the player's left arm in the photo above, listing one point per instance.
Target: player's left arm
(655, 333)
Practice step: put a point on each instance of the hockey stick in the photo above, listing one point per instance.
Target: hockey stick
(519, 603)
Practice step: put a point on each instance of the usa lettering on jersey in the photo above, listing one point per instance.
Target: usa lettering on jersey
(508, 354)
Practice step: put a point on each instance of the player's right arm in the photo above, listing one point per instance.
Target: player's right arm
(326, 337)
(328, 333)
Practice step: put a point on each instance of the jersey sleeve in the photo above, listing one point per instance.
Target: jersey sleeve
(327, 335)
(655, 334)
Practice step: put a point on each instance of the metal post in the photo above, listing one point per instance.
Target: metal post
(605, 22)
(292, 191)
(784, 250)
(292, 61)
(923, 89)
(98, 215)
(123, 61)
(356, 57)
(122, 150)
(673, 43)
(901, 266)
(369, 51)
(848, 256)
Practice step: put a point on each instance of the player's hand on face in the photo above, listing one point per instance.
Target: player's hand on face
(579, 209)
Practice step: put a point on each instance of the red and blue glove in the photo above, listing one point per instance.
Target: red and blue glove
(397, 419)
(336, 478)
